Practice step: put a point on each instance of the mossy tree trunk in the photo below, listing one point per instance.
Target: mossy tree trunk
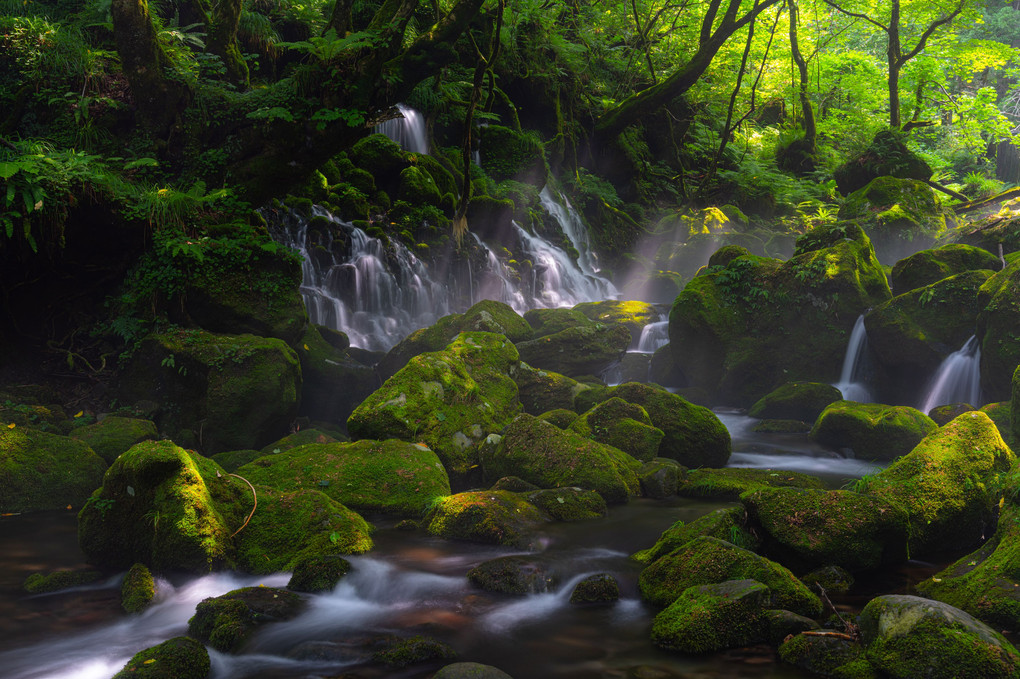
(222, 26)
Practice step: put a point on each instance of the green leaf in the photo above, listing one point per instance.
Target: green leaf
(9, 169)
(141, 162)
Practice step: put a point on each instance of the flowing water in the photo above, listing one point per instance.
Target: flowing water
(958, 379)
(408, 130)
(852, 378)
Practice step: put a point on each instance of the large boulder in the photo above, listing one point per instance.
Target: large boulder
(801, 401)
(394, 477)
(334, 383)
(231, 392)
(39, 470)
(622, 425)
(708, 560)
(226, 622)
(715, 617)
(805, 528)
(732, 327)
(930, 266)
(543, 390)
(577, 351)
(999, 299)
(449, 400)
(887, 155)
(872, 430)
(550, 457)
(113, 435)
(946, 484)
(907, 637)
(911, 334)
(495, 517)
(633, 314)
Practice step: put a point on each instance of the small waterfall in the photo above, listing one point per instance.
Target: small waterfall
(408, 130)
(493, 282)
(565, 214)
(851, 379)
(654, 336)
(558, 280)
(958, 379)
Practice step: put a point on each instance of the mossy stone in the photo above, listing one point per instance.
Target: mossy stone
(470, 670)
(546, 322)
(999, 299)
(631, 313)
(414, 651)
(830, 578)
(930, 266)
(138, 589)
(379, 155)
(577, 351)
(417, 187)
(494, 517)
(781, 427)
(394, 477)
(226, 622)
(1000, 414)
(820, 654)
(515, 575)
(623, 425)
(730, 483)
(38, 583)
(886, 155)
(299, 438)
(231, 460)
(177, 658)
(600, 588)
(709, 618)
(659, 478)
(803, 401)
(114, 435)
(39, 470)
(541, 391)
(318, 573)
(333, 383)
(561, 417)
(1014, 411)
(708, 560)
(569, 504)
(874, 431)
(509, 154)
(725, 524)
(943, 415)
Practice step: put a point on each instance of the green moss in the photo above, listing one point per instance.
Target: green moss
(600, 588)
(541, 391)
(569, 504)
(903, 208)
(114, 435)
(561, 417)
(177, 658)
(730, 483)
(138, 589)
(333, 383)
(660, 477)
(999, 299)
(392, 476)
(318, 573)
(708, 560)
(417, 187)
(577, 351)
(551, 321)
(37, 583)
(232, 459)
(633, 314)
(621, 425)
(803, 401)
(819, 655)
(413, 651)
(379, 155)
(930, 266)
(226, 622)
(714, 617)
(40, 471)
(724, 524)
(781, 427)
(874, 431)
(508, 154)
(493, 517)
(516, 575)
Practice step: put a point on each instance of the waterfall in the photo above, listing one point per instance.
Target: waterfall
(958, 379)
(494, 282)
(558, 279)
(407, 130)
(653, 336)
(570, 221)
(851, 379)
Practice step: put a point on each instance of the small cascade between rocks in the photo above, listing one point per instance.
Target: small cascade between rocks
(408, 130)
(958, 379)
(654, 336)
(851, 380)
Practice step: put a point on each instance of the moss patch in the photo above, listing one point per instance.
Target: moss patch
(138, 589)
(874, 431)
(622, 425)
(493, 516)
(39, 470)
(714, 617)
(730, 483)
(114, 435)
(226, 622)
(177, 658)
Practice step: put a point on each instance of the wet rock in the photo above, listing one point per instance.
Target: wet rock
(177, 658)
(782, 624)
(623, 425)
(724, 524)
(40, 471)
(545, 322)
(930, 266)
(542, 391)
(709, 618)
(561, 417)
(802, 401)
(318, 573)
(114, 435)
(731, 483)
(577, 351)
(822, 655)
(334, 383)
(569, 504)
(226, 622)
(601, 588)
(493, 517)
(414, 651)
(514, 484)
(943, 415)
(874, 431)
(830, 578)
(517, 575)
(781, 427)
(659, 478)
(138, 589)
(38, 583)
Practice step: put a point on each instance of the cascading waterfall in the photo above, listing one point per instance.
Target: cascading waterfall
(570, 221)
(851, 379)
(958, 379)
(494, 282)
(654, 336)
(408, 130)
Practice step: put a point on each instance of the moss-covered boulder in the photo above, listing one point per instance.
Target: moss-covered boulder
(732, 327)
(874, 431)
(470, 670)
(1000, 414)
(449, 400)
(803, 401)
(391, 476)
(380, 156)
(516, 575)
(887, 155)
(577, 351)
(39, 583)
(823, 655)
(177, 658)
(509, 154)
(138, 589)
(911, 334)
(318, 573)
(231, 460)
(830, 578)
(550, 457)
(545, 322)
(708, 560)
(333, 383)
(233, 391)
(486, 316)
(414, 650)
(999, 299)
(543, 390)
(417, 187)
(561, 417)
(633, 314)
(495, 517)
(907, 636)
(39, 470)
(569, 504)
(299, 438)
(947, 484)
(930, 266)
(659, 477)
(806, 528)
(623, 425)
(943, 415)
(113, 435)
(725, 524)
(600, 588)
(989, 232)
(708, 618)
(226, 622)
(730, 483)
(693, 435)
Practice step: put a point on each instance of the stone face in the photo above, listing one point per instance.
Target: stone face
(39, 470)
(493, 516)
(907, 636)
(114, 435)
(874, 431)
(713, 617)
(577, 351)
(543, 390)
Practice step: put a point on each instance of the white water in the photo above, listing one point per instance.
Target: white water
(408, 130)
(558, 281)
(851, 380)
(958, 379)
(654, 336)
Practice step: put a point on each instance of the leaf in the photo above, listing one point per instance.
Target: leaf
(141, 162)
(131, 491)
(306, 347)
(9, 169)
(80, 413)
(11, 425)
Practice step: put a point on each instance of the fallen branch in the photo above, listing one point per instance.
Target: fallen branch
(977, 204)
(949, 192)
(254, 496)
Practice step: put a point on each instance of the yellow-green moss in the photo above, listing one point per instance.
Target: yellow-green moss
(177, 658)
(493, 516)
(138, 589)
(874, 431)
(39, 470)
(114, 435)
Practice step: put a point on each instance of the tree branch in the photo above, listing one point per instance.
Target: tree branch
(855, 15)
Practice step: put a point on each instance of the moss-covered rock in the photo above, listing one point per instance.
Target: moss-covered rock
(806, 528)
(39, 470)
(569, 504)
(709, 618)
(821, 655)
(730, 483)
(633, 314)
(830, 578)
(138, 589)
(113, 435)
(391, 476)
(541, 391)
(299, 438)
(509, 154)
(999, 299)
(946, 484)
(1014, 411)
(623, 425)
(725, 524)
(708, 560)
(943, 415)
(600, 588)
(516, 575)
(930, 266)
(414, 651)
(907, 636)
(318, 573)
(449, 400)
(577, 351)
(803, 401)
(1000, 414)
(493, 516)
(380, 156)
(177, 658)
(550, 457)
(470, 670)
(333, 383)
(226, 622)
(417, 187)
(732, 327)
(887, 155)
(39, 583)
(659, 478)
(545, 322)
(874, 431)
(561, 417)
(237, 391)
(231, 460)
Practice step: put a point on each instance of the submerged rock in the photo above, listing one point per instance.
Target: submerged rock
(414, 651)
(569, 504)
(823, 655)
(40, 471)
(38, 583)
(177, 658)
(517, 575)
(710, 618)
(600, 588)
(494, 517)
(470, 670)
(660, 478)
(874, 431)
(226, 622)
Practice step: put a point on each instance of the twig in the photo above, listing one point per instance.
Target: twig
(254, 496)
